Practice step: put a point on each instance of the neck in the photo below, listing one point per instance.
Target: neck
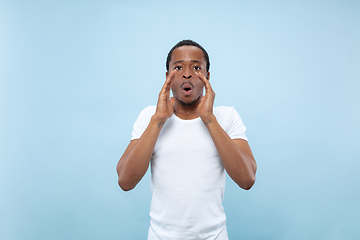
(186, 111)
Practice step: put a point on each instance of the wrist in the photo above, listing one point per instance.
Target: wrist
(208, 119)
(159, 121)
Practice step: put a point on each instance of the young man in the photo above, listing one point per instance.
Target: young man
(189, 143)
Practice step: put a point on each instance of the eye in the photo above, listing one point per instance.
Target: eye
(196, 68)
(178, 67)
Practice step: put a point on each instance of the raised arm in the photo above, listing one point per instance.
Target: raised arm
(135, 161)
(235, 155)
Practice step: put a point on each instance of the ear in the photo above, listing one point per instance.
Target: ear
(208, 76)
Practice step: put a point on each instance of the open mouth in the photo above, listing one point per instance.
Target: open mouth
(187, 88)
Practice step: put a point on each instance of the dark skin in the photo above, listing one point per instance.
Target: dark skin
(187, 77)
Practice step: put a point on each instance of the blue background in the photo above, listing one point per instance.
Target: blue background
(74, 76)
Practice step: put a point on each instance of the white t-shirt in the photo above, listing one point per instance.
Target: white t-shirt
(187, 176)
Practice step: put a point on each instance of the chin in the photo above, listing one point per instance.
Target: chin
(188, 103)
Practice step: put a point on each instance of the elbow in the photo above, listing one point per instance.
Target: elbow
(125, 185)
(249, 181)
(247, 185)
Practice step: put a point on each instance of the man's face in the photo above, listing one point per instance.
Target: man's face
(186, 85)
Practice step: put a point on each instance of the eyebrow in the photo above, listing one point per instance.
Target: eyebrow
(180, 61)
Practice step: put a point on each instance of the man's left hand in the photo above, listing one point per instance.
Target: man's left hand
(205, 107)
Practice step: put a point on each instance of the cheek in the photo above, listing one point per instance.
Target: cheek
(199, 83)
(174, 84)
(174, 87)
(177, 74)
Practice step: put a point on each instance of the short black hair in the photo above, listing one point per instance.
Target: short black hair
(188, 42)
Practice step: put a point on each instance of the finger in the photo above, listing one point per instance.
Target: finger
(167, 85)
(206, 82)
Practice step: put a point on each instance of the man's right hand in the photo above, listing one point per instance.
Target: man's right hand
(134, 163)
(165, 104)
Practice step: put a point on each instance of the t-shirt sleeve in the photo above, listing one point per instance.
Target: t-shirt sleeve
(236, 128)
(142, 122)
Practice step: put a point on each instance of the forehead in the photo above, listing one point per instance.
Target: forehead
(187, 53)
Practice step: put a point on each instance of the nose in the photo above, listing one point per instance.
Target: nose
(187, 76)
(187, 72)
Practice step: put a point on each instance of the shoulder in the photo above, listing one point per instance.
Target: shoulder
(142, 121)
(230, 121)
(149, 110)
(146, 114)
(223, 110)
(225, 113)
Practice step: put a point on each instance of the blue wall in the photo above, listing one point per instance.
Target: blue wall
(74, 75)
